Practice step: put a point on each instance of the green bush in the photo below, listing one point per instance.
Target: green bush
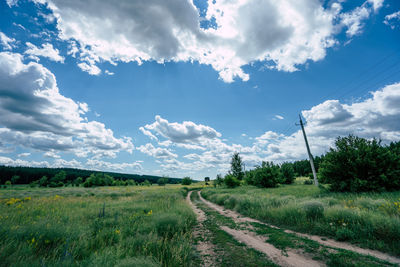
(314, 210)
(287, 173)
(267, 175)
(186, 181)
(231, 181)
(357, 164)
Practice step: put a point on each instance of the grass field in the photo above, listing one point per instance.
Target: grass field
(104, 226)
(369, 220)
(153, 225)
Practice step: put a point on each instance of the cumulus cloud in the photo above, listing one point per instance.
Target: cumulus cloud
(156, 152)
(105, 165)
(6, 42)
(281, 34)
(376, 116)
(33, 114)
(185, 132)
(47, 50)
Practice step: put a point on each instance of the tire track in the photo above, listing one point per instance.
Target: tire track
(321, 240)
(257, 242)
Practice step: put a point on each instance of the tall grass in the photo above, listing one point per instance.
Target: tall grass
(369, 219)
(140, 226)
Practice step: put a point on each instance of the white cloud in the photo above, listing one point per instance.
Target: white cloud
(90, 68)
(354, 20)
(281, 34)
(377, 116)
(391, 19)
(18, 162)
(105, 165)
(279, 117)
(26, 154)
(6, 42)
(185, 132)
(47, 50)
(109, 72)
(158, 152)
(33, 114)
(377, 4)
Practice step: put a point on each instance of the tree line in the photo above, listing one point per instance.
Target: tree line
(27, 175)
(354, 164)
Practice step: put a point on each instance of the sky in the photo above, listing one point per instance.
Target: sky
(175, 87)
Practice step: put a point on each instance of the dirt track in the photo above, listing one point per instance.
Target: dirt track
(323, 241)
(290, 258)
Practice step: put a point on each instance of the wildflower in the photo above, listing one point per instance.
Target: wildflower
(27, 198)
(117, 232)
(344, 224)
(150, 212)
(330, 224)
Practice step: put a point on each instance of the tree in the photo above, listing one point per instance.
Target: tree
(287, 173)
(267, 175)
(43, 181)
(357, 164)
(236, 166)
(59, 177)
(14, 179)
(78, 181)
(186, 181)
(146, 183)
(162, 181)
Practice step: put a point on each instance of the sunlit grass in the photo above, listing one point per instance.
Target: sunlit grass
(368, 219)
(103, 226)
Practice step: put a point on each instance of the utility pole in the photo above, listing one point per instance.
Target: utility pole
(309, 153)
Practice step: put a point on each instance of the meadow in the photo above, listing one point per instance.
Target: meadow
(102, 226)
(370, 220)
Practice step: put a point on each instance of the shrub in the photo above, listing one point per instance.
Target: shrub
(7, 183)
(287, 173)
(314, 210)
(267, 175)
(186, 181)
(308, 181)
(357, 164)
(231, 181)
(43, 181)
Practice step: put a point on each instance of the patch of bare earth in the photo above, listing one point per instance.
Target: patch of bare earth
(321, 240)
(252, 240)
(205, 247)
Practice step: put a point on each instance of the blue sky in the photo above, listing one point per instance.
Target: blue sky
(176, 87)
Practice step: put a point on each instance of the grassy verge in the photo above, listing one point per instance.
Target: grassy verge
(369, 220)
(107, 226)
(228, 251)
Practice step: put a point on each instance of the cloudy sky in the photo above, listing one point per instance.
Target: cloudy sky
(175, 87)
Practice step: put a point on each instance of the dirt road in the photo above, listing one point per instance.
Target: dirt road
(321, 240)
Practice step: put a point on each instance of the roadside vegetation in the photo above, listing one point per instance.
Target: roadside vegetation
(358, 200)
(102, 226)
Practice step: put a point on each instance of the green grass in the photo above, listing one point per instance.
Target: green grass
(369, 220)
(140, 226)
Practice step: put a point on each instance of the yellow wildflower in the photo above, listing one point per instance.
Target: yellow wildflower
(117, 232)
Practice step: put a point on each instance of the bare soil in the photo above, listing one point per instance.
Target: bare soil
(203, 246)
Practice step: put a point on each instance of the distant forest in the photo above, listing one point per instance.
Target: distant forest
(30, 174)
